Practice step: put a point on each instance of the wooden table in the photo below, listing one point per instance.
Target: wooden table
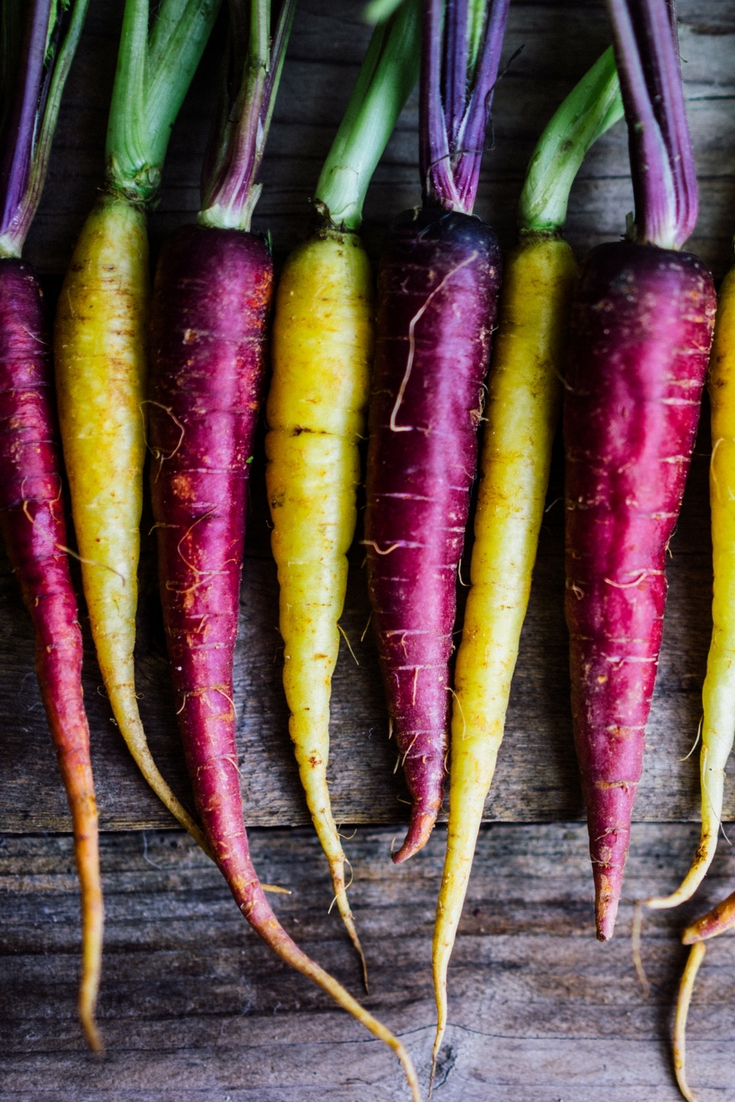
(192, 1005)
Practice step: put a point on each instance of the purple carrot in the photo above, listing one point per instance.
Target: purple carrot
(640, 336)
(34, 532)
(211, 302)
(437, 295)
(37, 48)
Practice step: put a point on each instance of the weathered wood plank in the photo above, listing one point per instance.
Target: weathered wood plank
(193, 1005)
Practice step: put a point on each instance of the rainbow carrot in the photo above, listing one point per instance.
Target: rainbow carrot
(31, 507)
(211, 301)
(100, 348)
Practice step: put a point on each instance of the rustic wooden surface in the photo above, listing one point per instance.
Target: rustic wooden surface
(194, 1007)
(536, 776)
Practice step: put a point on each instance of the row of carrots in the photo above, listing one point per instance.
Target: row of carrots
(179, 369)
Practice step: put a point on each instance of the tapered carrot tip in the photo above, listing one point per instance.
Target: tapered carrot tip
(716, 921)
(420, 827)
(609, 811)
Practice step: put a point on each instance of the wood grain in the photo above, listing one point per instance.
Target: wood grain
(537, 777)
(193, 1006)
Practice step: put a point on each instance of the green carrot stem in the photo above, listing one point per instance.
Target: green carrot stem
(229, 185)
(591, 108)
(154, 71)
(387, 75)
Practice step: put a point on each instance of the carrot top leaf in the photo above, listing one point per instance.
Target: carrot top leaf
(154, 69)
(253, 71)
(37, 45)
(461, 48)
(591, 108)
(387, 75)
(662, 163)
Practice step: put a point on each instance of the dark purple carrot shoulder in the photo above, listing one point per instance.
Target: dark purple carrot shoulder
(437, 296)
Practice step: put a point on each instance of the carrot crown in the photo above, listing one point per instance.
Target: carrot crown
(387, 75)
(154, 70)
(37, 44)
(591, 108)
(251, 75)
(460, 56)
(661, 159)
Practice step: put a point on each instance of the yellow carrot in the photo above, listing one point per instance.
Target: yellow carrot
(523, 408)
(718, 693)
(100, 354)
(524, 393)
(100, 347)
(322, 347)
(684, 998)
(322, 350)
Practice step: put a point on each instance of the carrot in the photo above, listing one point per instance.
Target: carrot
(719, 919)
(212, 297)
(322, 351)
(686, 987)
(524, 399)
(437, 297)
(100, 348)
(41, 42)
(640, 335)
(718, 693)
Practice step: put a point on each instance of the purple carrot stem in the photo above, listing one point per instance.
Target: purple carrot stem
(453, 122)
(19, 132)
(662, 163)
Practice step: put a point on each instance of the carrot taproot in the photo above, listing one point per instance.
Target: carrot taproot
(38, 44)
(437, 296)
(640, 336)
(322, 351)
(683, 1001)
(100, 349)
(521, 411)
(718, 692)
(717, 921)
(212, 296)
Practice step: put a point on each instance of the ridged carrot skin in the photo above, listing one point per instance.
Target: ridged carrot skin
(34, 531)
(524, 400)
(437, 299)
(101, 361)
(211, 301)
(718, 693)
(322, 350)
(640, 336)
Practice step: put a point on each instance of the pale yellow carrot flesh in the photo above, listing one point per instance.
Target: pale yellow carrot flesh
(322, 348)
(522, 412)
(100, 355)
